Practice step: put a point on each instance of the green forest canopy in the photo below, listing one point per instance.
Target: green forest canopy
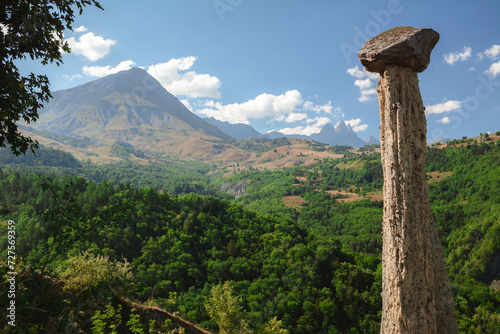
(316, 268)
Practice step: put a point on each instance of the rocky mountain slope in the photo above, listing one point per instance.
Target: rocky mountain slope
(122, 106)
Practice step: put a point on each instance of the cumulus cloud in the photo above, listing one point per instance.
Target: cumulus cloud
(365, 81)
(318, 123)
(264, 105)
(90, 46)
(102, 71)
(190, 84)
(356, 125)
(363, 84)
(80, 29)
(288, 107)
(356, 72)
(326, 108)
(494, 70)
(187, 105)
(453, 57)
(295, 117)
(367, 94)
(443, 107)
(491, 53)
(444, 120)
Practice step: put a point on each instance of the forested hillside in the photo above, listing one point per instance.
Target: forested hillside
(178, 247)
(301, 246)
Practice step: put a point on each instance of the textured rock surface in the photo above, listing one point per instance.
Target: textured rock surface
(416, 293)
(403, 46)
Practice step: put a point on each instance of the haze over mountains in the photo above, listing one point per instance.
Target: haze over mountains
(133, 107)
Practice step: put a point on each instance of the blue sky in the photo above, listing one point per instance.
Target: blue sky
(291, 65)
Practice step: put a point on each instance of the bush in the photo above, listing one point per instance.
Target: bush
(87, 271)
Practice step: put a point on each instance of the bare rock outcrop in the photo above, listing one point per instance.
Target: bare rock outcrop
(237, 189)
(416, 292)
(402, 46)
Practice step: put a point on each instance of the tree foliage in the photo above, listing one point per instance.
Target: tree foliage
(315, 267)
(226, 310)
(30, 29)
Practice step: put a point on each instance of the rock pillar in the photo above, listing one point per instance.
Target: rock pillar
(416, 292)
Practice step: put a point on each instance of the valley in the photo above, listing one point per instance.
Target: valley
(186, 226)
(165, 209)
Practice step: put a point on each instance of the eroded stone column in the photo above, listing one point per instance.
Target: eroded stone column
(416, 292)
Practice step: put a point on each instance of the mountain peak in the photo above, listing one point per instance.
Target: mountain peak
(371, 140)
(135, 81)
(342, 127)
(127, 102)
(341, 134)
(328, 128)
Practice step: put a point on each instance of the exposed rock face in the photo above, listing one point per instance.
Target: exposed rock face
(416, 292)
(403, 46)
(237, 189)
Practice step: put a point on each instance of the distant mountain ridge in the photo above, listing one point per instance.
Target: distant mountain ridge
(134, 108)
(341, 134)
(372, 140)
(442, 140)
(237, 131)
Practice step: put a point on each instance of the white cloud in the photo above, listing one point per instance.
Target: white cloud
(326, 108)
(356, 126)
(308, 105)
(190, 84)
(366, 94)
(72, 77)
(264, 105)
(444, 120)
(443, 107)
(102, 71)
(322, 121)
(361, 127)
(491, 53)
(494, 69)
(288, 102)
(365, 80)
(295, 117)
(362, 73)
(91, 46)
(187, 105)
(80, 29)
(453, 57)
(353, 122)
(363, 84)
(307, 130)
